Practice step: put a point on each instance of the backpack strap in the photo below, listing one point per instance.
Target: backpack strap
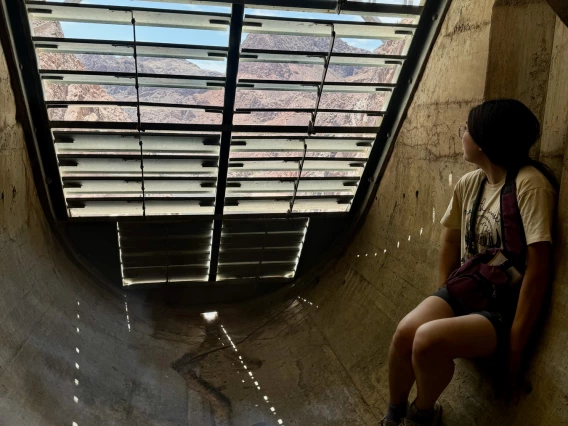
(512, 230)
(472, 246)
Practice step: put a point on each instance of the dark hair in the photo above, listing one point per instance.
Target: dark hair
(506, 130)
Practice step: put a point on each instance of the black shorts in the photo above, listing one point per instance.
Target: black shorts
(500, 321)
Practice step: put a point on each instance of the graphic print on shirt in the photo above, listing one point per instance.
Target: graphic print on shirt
(487, 230)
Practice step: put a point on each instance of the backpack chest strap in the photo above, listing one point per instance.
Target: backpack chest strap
(512, 230)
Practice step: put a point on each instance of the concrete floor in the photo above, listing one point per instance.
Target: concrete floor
(76, 351)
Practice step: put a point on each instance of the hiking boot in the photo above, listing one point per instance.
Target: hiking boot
(385, 422)
(396, 411)
(435, 416)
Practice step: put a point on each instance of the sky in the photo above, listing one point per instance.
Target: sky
(188, 36)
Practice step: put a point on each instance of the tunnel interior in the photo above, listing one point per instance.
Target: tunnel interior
(297, 159)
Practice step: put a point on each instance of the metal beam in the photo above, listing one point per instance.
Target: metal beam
(309, 111)
(128, 104)
(129, 79)
(132, 177)
(124, 48)
(349, 181)
(121, 15)
(317, 58)
(33, 112)
(318, 27)
(235, 32)
(297, 183)
(180, 127)
(136, 198)
(195, 217)
(79, 136)
(352, 179)
(290, 159)
(312, 123)
(139, 118)
(329, 6)
(292, 198)
(313, 86)
(381, 9)
(134, 155)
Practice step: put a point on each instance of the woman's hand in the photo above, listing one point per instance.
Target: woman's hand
(513, 379)
(533, 289)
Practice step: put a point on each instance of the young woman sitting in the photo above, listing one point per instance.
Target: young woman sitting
(455, 322)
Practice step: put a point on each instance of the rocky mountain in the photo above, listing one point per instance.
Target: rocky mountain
(244, 99)
(171, 66)
(77, 92)
(297, 44)
(300, 44)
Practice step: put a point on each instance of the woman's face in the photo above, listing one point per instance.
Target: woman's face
(471, 151)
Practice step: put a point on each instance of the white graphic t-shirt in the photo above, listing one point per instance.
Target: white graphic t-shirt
(537, 203)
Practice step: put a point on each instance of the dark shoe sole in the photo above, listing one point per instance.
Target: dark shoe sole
(438, 422)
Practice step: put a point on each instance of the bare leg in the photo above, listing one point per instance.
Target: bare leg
(401, 372)
(438, 343)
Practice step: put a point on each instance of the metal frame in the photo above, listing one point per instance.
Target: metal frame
(179, 218)
(126, 78)
(52, 44)
(21, 38)
(301, 57)
(220, 19)
(237, 16)
(309, 111)
(301, 162)
(179, 127)
(314, 113)
(66, 104)
(321, 5)
(139, 118)
(227, 128)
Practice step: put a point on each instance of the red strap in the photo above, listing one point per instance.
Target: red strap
(513, 232)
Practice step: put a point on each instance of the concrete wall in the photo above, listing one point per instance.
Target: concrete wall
(318, 352)
(58, 325)
(48, 308)
(134, 359)
(510, 48)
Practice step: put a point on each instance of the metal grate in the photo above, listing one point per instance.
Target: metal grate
(101, 173)
(264, 173)
(163, 253)
(146, 158)
(176, 252)
(258, 249)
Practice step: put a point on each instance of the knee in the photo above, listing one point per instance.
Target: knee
(427, 343)
(403, 338)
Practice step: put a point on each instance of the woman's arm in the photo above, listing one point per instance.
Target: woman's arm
(533, 290)
(450, 253)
